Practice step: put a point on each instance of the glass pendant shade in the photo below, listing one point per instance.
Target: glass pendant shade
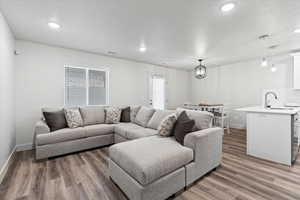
(200, 71)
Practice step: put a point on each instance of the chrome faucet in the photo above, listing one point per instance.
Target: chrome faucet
(266, 98)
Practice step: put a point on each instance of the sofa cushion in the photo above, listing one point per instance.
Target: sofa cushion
(133, 131)
(203, 119)
(50, 109)
(148, 159)
(140, 133)
(122, 128)
(157, 118)
(133, 112)
(125, 114)
(143, 116)
(166, 126)
(183, 126)
(99, 129)
(73, 117)
(112, 115)
(92, 115)
(61, 135)
(55, 120)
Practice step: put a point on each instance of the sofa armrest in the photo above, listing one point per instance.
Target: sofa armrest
(41, 128)
(207, 144)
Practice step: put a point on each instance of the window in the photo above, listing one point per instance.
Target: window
(84, 86)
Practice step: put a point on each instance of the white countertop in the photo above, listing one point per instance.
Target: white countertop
(260, 109)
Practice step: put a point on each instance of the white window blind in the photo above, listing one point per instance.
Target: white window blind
(85, 86)
(75, 86)
(97, 87)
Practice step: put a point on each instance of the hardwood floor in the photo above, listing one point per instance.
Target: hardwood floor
(85, 176)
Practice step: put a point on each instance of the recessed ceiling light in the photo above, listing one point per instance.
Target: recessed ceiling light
(54, 25)
(111, 52)
(297, 30)
(273, 68)
(143, 48)
(264, 62)
(273, 46)
(227, 7)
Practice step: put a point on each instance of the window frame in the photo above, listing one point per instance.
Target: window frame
(87, 69)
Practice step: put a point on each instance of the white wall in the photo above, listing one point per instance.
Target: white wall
(40, 81)
(242, 84)
(7, 92)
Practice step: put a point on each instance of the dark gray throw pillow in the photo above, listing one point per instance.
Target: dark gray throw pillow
(183, 126)
(55, 120)
(125, 114)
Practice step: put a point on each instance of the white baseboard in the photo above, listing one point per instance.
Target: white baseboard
(237, 126)
(7, 164)
(24, 147)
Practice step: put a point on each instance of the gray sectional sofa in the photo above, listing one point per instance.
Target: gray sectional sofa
(143, 164)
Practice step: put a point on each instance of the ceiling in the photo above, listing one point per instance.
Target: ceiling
(175, 32)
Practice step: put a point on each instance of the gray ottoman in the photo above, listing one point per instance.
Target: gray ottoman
(150, 168)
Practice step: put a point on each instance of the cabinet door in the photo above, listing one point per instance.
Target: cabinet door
(269, 137)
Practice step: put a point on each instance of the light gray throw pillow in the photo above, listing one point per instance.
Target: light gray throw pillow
(143, 116)
(166, 126)
(93, 115)
(133, 112)
(73, 117)
(157, 118)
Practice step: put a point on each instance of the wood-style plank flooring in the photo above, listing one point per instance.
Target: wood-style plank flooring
(84, 175)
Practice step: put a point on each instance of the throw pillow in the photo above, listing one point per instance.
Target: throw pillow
(157, 118)
(183, 126)
(125, 114)
(183, 116)
(113, 115)
(143, 116)
(73, 117)
(92, 115)
(55, 120)
(133, 112)
(203, 119)
(166, 126)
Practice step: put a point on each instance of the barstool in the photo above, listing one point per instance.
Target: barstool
(221, 119)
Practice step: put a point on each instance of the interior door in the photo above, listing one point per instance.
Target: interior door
(157, 92)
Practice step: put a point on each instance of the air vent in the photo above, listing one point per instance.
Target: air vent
(263, 37)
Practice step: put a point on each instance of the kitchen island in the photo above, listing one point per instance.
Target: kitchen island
(272, 133)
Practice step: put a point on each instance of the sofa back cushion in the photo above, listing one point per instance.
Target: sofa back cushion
(203, 119)
(143, 116)
(133, 112)
(157, 118)
(55, 119)
(93, 115)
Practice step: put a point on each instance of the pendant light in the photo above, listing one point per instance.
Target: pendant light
(200, 70)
